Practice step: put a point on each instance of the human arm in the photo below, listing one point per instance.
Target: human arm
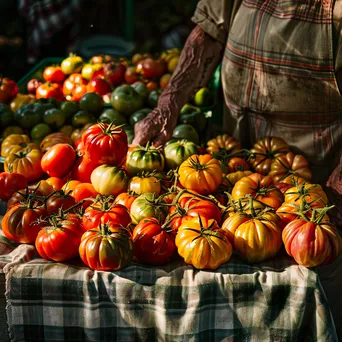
(200, 56)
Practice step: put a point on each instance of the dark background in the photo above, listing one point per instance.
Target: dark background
(154, 25)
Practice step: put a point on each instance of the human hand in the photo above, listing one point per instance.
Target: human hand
(157, 128)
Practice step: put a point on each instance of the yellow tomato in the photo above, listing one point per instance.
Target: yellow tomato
(14, 143)
(143, 185)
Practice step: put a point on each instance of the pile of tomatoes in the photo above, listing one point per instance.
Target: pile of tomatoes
(110, 203)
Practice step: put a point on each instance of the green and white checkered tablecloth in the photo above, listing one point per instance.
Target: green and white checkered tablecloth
(274, 301)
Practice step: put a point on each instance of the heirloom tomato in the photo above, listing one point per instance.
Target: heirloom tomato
(71, 83)
(54, 74)
(232, 222)
(10, 183)
(83, 169)
(72, 64)
(114, 73)
(153, 245)
(53, 139)
(126, 199)
(14, 143)
(259, 238)
(151, 68)
(147, 205)
(143, 158)
(283, 187)
(105, 144)
(237, 164)
(265, 151)
(230, 179)
(59, 238)
(201, 173)
(58, 160)
(312, 243)
(109, 247)
(260, 188)
(8, 90)
(84, 191)
(70, 185)
(109, 180)
(103, 211)
(178, 151)
(59, 201)
(88, 70)
(48, 90)
(55, 182)
(144, 183)
(223, 142)
(311, 193)
(99, 85)
(20, 222)
(203, 244)
(289, 164)
(27, 162)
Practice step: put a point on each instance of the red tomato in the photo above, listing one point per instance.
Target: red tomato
(283, 187)
(152, 244)
(58, 160)
(99, 85)
(237, 164)
(59, 239)
(105, 212)
(8, 90)
(59, 201)
(20, 223)
(83, 191)
(79, 91)
(83, 169)
(114, 73)
(126, 199)
(48, 90)
(105, 144)
(10, 183)
(55, 182)
(54, 74)
(153, 68)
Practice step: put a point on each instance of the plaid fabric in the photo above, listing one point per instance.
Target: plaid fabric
(44, 18)
(273, 301)
(278, 73)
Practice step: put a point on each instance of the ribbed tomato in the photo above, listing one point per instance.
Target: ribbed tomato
(10, 183)
(201, 173)
(153, 245)
(223, 142)
(202, 243)
(142, 184)
(260, 188)
(126, 199)
(105, 144)
(20, 222)
(59, 201)
(108, 247)
(59, 238)
(178, 151)
(103, 211)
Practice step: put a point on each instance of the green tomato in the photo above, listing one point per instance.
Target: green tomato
(195, 118)
(130, 135)
(141, 89)
(91, 102)
(81, 118)
(6, 115)
(29, 115)
(70, 108)
(152, 99)
(186, 132)
(139, 115)
(54, 117)
(178, 151)
(144, 159)
(147, 206)
(111, 115)
(52, 102)
(40, 131)
(126, 100)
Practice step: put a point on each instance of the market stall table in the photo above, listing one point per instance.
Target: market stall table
(276, 300)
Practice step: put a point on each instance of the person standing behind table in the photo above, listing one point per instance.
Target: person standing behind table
(281, 76)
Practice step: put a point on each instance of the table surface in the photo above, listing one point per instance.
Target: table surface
(276, 300)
